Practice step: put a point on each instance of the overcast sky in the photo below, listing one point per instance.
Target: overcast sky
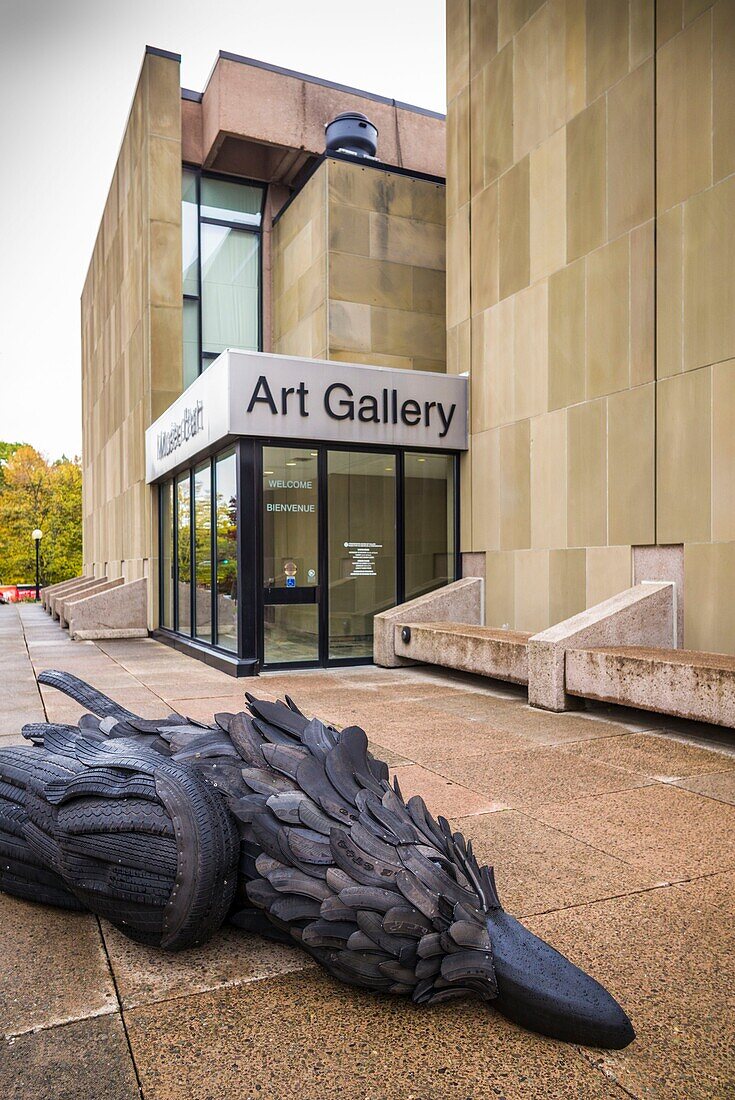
(68, 69)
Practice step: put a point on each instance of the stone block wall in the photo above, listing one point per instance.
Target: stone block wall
(299, 273)
(590, 263)
(131, 329)
(358, 269)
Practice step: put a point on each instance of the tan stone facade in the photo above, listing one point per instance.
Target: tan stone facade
(590, 274)
(131, 328)
(358, 269)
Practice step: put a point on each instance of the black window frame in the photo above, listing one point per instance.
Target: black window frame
(201, 174)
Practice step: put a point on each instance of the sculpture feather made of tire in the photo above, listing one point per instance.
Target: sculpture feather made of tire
(88, 821)
(331, 856)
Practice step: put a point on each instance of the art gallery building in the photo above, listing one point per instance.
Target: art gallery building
(271, 439)
(319, 382)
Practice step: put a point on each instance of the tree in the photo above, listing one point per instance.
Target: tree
(34, 493)
(6, 450)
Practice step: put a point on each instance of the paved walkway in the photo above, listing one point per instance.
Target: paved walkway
(612, 834)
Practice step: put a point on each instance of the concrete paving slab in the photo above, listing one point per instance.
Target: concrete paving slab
(669, 957)
(85, 1060)
(671, 832)
(203, 710)
(587, 862)
(233, 957)
(720, 786)
(532, 777)
(306, 1037)
(433, 738)
(538, 868)
(441, 795)
(659, 757)
(392, 759)
(52, 967)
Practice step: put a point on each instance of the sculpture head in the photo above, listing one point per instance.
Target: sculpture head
(540, 989)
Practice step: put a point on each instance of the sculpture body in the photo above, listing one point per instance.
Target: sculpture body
(330, 855)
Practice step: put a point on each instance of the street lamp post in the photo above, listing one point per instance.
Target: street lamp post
(37, 535)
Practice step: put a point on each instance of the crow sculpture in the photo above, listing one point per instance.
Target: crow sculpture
(138, 819)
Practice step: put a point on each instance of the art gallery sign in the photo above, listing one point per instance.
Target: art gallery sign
(256, 394)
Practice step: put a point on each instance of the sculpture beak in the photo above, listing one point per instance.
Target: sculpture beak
(543, 991)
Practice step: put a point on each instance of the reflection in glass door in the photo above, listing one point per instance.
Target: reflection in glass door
(290, 555)
(362, 547)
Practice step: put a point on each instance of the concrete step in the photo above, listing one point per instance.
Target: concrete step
(499, 654)
(682, 682)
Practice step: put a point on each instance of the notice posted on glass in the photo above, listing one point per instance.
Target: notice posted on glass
(363, 555)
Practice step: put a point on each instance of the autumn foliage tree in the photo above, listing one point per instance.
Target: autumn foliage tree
(36, 493)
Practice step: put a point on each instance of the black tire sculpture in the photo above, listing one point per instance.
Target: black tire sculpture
(104, 822)
(375, 889)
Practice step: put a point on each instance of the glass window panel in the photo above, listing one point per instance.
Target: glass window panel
(290, 518)
(231, 202)
(362, 547)
(291, 633)
(183, 556)
(428, 522)
(226, 503)
(230, 289)
(191, 341)
(203, 551)
(189, 233)
(167, 554)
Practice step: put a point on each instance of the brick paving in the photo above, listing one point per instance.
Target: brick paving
(612, 835)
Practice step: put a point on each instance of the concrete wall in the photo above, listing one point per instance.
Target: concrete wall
(131, 329)
(282, 114)
(358, 269)
(591, 263)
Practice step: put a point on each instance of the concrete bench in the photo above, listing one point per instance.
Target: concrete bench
(499, 654)
(685, 683)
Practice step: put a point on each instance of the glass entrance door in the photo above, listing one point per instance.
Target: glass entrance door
(345, 535)
(362, 547)
(291, 583)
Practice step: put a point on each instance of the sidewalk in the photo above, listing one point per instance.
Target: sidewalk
(612, 836)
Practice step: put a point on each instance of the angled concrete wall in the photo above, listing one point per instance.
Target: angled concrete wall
(117, 612)
(65, 604)
(47, 592)
(644, 615)
(459, 602)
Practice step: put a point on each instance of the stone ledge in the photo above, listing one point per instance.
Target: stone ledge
(69, 588)
(684, 683)
(499, 654)
(107, 633)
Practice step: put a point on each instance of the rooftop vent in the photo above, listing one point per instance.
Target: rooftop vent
(352, 133)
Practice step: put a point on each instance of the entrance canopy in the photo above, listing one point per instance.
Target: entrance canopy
(255, 394)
